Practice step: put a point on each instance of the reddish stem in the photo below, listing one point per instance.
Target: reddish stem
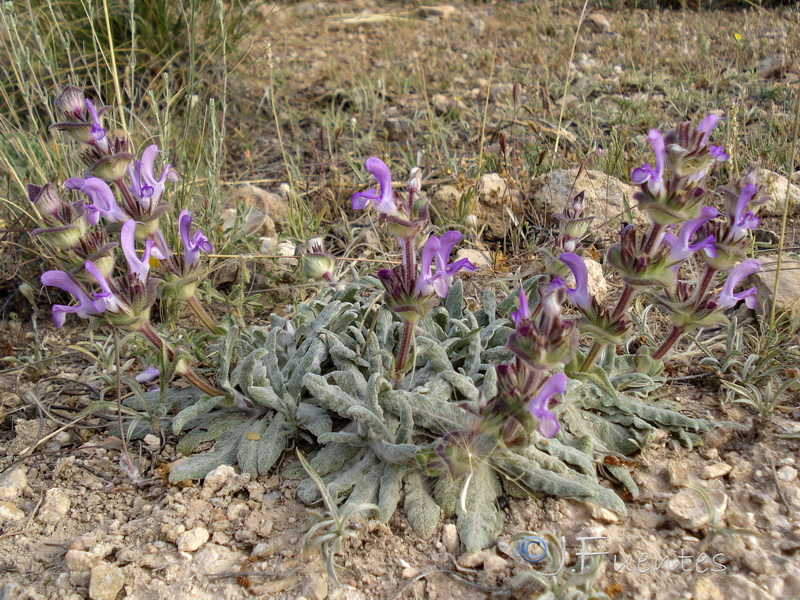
(673, 337)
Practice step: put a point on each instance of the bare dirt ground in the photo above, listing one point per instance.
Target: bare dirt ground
(72, 526)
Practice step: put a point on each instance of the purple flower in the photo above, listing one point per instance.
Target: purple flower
(727, 298)
(647, 174)
(148, 374)
(63, 281)
(98, 133)
(524, 313)
(382, 197)
(706, 126)
(579, 295)
(104, 203)
(144, 184)
(679, 245)
(743, 221)
(718, 153)
(137, 267)
(539, 407)
(439, 250)
(192, 244)
(106, 300)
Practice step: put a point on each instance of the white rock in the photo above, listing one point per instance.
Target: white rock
(774, 185)
(495, 564)
(106, 581)
(56, 505)
(787, 474)
(481, 259)
(152, 440)
(498, 205)
(714, 470)
(442, 11)
(218, 477)
(788, 284)
(605, 198)
(598, 22)
(191, 540)
(13, 483)
(9, 512)
(315, 588)
(474, 560)
(603, 515)
(678, 473)
(597, 284)
(688, 508)
(286, 248)
(450, 538)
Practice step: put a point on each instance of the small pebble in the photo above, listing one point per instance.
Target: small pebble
(786, 474)
(192, 539)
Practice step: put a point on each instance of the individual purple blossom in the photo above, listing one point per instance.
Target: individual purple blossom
(718, 153)
(98, 133)
(539, 406)
(138, 267)
(193, 243)
(382, 197)
(579, 295)
(524, 313)
(144, 184)
(438, 250)
(63, 281)
(727, 298)
(743, 220)
(148, 374)
(680, 246)
(104, 301)
(103, 201)
(653, 177)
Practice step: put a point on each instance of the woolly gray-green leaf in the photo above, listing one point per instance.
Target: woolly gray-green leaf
(446, 492)
(313, 419)
(479, 520)
(249, 441)
(422, 512)
(327, 395)
(192, 412)
(390, 490)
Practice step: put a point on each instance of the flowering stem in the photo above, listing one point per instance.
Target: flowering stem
(708, 276)
(619, 309)
(591, 357)
(673, 337)
(133, 208)
(187, 373)
(203, 315)
(403, 352)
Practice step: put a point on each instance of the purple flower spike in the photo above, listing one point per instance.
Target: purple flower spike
(64, 281)
(539, 407)
(104, 203)
(144, 184)
(647, 174)
(524, 313)
(192, 244)
(679, 245)
(382, 197)
(579, 295)
(744, 269)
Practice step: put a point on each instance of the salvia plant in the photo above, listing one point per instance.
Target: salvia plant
(403, 394)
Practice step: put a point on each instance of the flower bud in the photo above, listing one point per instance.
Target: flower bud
(414, 184)
(70, 103)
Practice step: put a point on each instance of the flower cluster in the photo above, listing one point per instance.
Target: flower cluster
(689, 249)
(414, 286)
(118, 193)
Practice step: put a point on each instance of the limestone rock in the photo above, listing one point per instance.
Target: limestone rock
(218, 478)
(9, 512)
(315, 588)
(717, 469)
(738, 587)
(497, 203)
(106, 581)
(56, 506)
(474, 560)
(603, 515)
(480, 258)
(788, 284)
(273, 205)
(253, 221)
(598, 22)
(191, 540)
(688, 508)
(605, 199)
(442, 11)
(446, 200)
(495, 564)
(678, 473)
(774, 185)
(13, 483)
(450, 538)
